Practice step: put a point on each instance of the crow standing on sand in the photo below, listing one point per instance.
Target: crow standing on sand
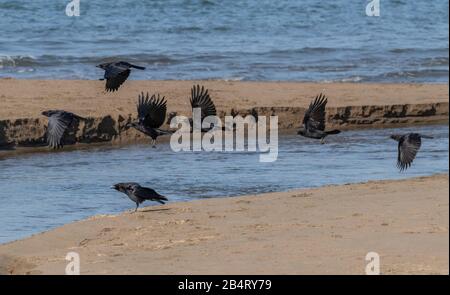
(58, 122)
(408, 146)
(314, 120)
(116, 73)
(151, 115)
(139, 194)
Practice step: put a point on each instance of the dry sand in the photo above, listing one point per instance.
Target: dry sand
(350, 105)
(327, 230)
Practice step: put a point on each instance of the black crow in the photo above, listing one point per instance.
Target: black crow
(116, 73)
(58, 122)
(314, 120)
(200, 99)
(151, 115)
(408, 146)
(139, 194)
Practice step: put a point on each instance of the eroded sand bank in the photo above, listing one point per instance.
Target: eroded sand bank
(350, 105)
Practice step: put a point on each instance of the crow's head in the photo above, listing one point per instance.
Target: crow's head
(124, 187)
(395, 137)
(103, 65)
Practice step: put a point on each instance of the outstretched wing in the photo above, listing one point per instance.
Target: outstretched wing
(408, 146)
(57, 125)
(201, 99)
(115, 76)
(152, 110)
(146, 193)
(315, 115)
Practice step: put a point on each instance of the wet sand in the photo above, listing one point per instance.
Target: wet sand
(327, 230)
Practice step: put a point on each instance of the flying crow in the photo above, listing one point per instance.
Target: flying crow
(151, 113)
(139, 194)
(116, 73)
(58, 122)
(408, 146)
(314, 120)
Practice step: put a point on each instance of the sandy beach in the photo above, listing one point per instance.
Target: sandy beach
(327, 230)
(350, 105)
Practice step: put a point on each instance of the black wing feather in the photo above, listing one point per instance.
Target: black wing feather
(314, 118)
(115, 77)
(408, 146)
(152, 111)
(57, 126)
(200, 99)
(146, 193)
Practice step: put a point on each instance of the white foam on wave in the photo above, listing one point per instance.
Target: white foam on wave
(16, 60)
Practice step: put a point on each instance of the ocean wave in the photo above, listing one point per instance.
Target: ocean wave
(310, 50)
(435, 62)
(352, 79)
(419, 50)
(414, 74)
(17, 61)
(182, 29)
(56, 60)
(12, 5)
(149, 59)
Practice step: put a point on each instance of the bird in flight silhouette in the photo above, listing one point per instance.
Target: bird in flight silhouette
(314, 120)
(151, 115)
(58, 122)
(116, 73)
(408, 146)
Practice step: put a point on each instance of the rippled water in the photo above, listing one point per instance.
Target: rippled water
(331, 40)
(42, 191)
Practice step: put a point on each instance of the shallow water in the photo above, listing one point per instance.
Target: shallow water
(42, 191)
(309, 40)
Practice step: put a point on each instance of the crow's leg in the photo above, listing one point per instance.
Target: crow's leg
(153, 143)
(137, 206)
(322, 140)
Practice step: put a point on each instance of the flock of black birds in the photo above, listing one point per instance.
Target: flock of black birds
(152, 114)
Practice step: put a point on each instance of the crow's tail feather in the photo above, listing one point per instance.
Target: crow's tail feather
(164, 132)
(161, 199)
(334, 131)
